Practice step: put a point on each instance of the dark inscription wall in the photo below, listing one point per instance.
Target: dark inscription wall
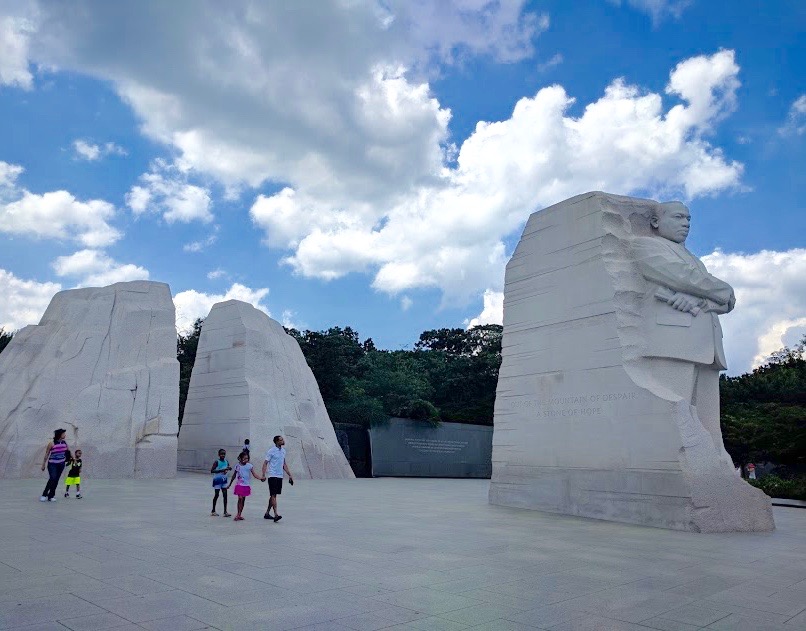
(406, 448)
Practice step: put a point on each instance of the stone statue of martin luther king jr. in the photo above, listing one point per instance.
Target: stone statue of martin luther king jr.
(680, 308)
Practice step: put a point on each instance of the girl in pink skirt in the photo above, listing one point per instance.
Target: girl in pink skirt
(243, 487)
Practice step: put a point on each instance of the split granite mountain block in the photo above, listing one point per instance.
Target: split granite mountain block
(607, 403)
(102, 365)
(251, 380)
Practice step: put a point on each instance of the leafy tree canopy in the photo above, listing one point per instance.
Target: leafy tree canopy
(764, 411)
(5, 338)
(186, 346)
(449, 376)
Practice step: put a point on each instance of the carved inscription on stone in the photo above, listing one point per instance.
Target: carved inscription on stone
(581, 405)
(428, 445)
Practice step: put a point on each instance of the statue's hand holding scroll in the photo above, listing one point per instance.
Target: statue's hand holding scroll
(680, 301)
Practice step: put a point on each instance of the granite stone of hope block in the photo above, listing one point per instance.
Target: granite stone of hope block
(607, 403)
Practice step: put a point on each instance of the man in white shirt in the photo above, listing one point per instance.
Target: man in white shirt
(275, 463)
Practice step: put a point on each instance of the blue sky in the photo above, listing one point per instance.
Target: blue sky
(365, 164)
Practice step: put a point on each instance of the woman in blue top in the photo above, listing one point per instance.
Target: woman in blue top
(219, 471)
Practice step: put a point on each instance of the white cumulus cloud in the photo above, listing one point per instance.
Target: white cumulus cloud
(492, 312)
(15, 34)
(86, 150)
(166, 191)
(289, 320)
(361, 123)
(770, 303)
(53, 215)
(369, 180)
(449, 233)
(93, 268)
(200, 245)
(8, 178)
(796, 119)
(658, 10)
(192, 304)
(24, 301)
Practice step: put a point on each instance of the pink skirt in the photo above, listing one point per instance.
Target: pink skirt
(241, 490)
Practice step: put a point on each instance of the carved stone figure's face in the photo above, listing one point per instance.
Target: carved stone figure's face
(672, 222)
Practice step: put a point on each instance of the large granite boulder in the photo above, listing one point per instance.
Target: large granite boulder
(251, 380)
(608, 396)
(101, 364)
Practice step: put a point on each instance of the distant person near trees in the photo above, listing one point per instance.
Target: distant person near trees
(275, 463)
(56, 454)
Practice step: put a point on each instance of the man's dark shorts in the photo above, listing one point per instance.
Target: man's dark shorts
(275, 486)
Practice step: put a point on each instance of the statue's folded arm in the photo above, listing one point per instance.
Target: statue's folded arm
(670, 271)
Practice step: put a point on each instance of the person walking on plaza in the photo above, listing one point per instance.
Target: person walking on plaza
(74, 475)
(219, 470)
(275, 463)
(243, 489)
(55, 457)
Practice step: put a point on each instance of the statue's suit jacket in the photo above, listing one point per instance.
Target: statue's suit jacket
(671, 333)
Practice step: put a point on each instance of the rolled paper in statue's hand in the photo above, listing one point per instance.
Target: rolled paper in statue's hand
(666, 295)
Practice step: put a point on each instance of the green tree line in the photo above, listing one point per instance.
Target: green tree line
(5, 338)
(763, 412)
(450, 375)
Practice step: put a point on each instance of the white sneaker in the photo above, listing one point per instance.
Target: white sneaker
(44, 498)
(51, 499)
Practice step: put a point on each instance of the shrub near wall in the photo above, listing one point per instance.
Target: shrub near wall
(782, 488)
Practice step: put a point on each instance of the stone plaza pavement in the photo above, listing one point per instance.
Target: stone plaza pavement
(373, 554)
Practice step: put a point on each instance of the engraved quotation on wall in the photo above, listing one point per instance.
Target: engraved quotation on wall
(577, 405)
(430, 445)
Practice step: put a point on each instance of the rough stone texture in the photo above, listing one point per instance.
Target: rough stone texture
(590, 418)
(251, 380)
(102, 364)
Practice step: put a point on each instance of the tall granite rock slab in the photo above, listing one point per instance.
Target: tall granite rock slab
(101, 364)
(251, 380)
(608, 398)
